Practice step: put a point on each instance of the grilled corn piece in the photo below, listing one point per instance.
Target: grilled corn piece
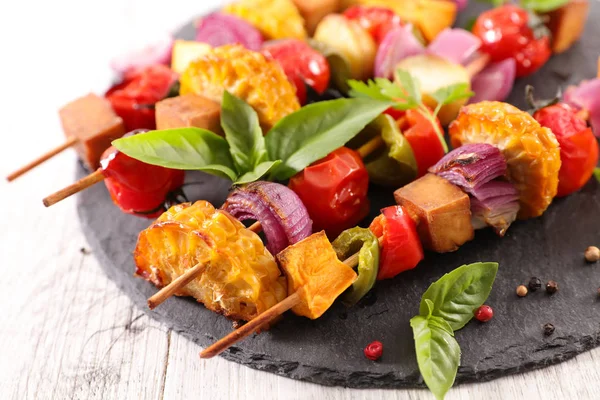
(246, 74)
(241, 278)
(275, 19)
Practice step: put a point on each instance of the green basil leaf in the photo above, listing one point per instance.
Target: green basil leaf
(243, 133)
(316, 130)
(440, 323)
(429, 305)
(183, 148)
(597, 173)
(258, 172)
(410, 85)
(370, 89)
(450, 94)
(543, 6)
(456, 294)
(438, 355)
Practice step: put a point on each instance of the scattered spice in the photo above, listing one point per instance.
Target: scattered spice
(84, 251)
(374, 350)
(551, 287)
(522, 290)
(548, 329)
(592, 254)
(484, 313)
(535, 284)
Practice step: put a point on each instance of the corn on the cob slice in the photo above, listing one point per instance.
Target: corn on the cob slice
(276, 19)
(246, 74)
(241, 278)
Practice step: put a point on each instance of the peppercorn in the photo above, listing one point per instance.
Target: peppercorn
(374, 350)
(534, 284)
(521, 290)
(484, 313)
(592, 254)
(548, 329)
(551, 287)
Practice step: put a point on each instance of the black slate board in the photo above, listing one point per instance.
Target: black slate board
(329, 350)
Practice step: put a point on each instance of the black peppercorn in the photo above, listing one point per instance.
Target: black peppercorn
(535, 284)
(548, 329)
(551, 287)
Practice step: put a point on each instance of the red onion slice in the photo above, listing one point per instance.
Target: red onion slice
(498, 209)
(397, 44)
(280, 211)
(586, 96)
(474, 168)
(471, 165)
(219, 29)
(156, 53)
(455, 45)
(495, 82)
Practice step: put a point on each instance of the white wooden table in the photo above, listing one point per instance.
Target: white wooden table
(66, 331)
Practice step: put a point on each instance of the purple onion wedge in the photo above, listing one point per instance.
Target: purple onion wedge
(471, 165)
(497, 206)
(219, 29)
(474, 168)
(279, 210)
(455, 45)
(397, 44)
(586, 96)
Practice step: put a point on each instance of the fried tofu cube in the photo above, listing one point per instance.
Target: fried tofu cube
(314, 271)
(313, 11)
(186, 51)
(567, 23)
(188, 110)
(93, 122)
(441, 210)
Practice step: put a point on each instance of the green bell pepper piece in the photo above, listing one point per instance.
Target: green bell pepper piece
(338, 64)
(393, 165)
(349, 242)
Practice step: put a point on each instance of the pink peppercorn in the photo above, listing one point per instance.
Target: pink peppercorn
(374, 350)
(484, 313)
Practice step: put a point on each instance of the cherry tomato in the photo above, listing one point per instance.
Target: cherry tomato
(505, 33)
(378, 21)
(301, 63)
(334, 191)
(423, 139)
(401, 247)
(578, 146)
(136, 187)
(133, 99)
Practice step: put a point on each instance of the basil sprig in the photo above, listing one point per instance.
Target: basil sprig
(446, 307)
(407, 96)
(244, 154)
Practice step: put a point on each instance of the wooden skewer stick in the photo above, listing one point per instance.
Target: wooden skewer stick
(370, 146)
(174, 286)
(78, 186)
(250, 327)
(72, 140)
